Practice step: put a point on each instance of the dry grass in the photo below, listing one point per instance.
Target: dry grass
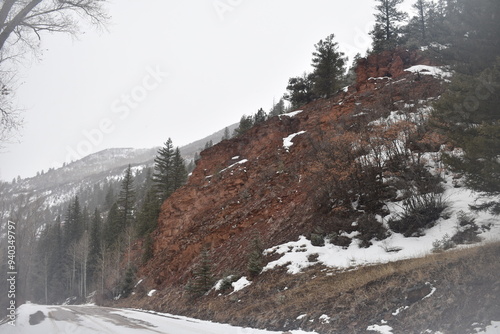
(467, 283)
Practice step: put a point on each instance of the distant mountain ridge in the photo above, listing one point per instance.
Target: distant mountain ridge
(57, 186)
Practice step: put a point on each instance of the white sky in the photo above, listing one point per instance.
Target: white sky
(224, 58)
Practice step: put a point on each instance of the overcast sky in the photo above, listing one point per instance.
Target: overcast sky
(169, 68)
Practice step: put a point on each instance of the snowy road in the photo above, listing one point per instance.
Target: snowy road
(93, 319)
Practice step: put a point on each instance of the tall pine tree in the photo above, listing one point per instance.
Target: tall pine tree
(388, 22)
(162, 176)
(126, 199)
(112, 227)
(148, 214)
(329, 67)
(73, 226)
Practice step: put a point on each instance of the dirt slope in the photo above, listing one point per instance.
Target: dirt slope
(258, 186)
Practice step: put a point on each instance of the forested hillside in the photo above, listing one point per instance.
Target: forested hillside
(353, 207)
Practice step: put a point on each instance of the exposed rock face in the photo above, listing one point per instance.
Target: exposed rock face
(388, 64)
(253, 186)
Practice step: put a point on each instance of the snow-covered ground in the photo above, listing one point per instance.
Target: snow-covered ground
(93, 319)
(287, 142)
(493, 328)
(439, 71)
(295, 255)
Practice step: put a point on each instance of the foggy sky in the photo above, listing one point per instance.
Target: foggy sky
(179, 69)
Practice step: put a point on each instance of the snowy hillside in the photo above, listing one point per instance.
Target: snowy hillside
(295, 254)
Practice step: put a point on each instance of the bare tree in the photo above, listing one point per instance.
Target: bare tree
(23, 20)
(22, 23)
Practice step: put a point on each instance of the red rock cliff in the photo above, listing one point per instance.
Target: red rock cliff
(253, 186)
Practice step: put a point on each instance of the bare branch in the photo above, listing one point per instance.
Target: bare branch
(22, 23)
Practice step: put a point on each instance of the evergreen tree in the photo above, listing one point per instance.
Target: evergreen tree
(329, 67)
(259, 117)
(147, 249)
(94, 245)
(170, 171)
(226, 135)
(475, 26)
(209, 144)
(109, 199)
(255, 258)
(113, 227)
(278, 108)
(300, 90)
(144, 182)
(246, 123)
(74, 223)
(468, 114)
(148, 214)
(85, 219)
(128, 283)
(126, 199)
(422, 7)
(388, 22)
(202, 280)
(162, 176)
(179, 172)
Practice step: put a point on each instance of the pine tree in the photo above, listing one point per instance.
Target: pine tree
(179, 172)
(300, 90)
(202, 280)
(388, 21)
(226, 135)
(436, 29)
(109, 199)
(468, 114)
(126, 199)
(259, 117)
(278, 108)
(128, 283)
(95, 244)
(147, 249)
(255, 258)
(209, 144)
(422, 8)
(246, 123)
(169, 172)
(74, 223)
(475, 27)
(329, 67)
(162, 176)
(148, 214)
(112, 227)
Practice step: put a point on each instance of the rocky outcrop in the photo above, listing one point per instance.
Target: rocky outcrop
(386, 65)
(257, 186)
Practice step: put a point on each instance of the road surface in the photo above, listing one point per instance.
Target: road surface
(88, 319)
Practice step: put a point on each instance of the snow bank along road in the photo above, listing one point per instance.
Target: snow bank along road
(88, 319)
